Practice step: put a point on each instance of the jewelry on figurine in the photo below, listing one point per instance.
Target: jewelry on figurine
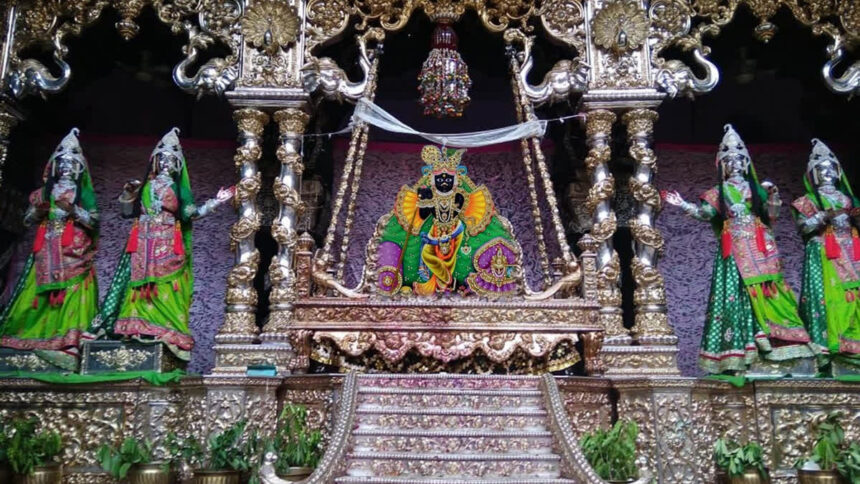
(826, 217)
(150, 295)
(752, 312)
(56, 296)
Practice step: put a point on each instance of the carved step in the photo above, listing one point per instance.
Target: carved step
(529, 420)
(446, 381)
(452, 441)
(399, 480)
(376, 398)
(374, 464)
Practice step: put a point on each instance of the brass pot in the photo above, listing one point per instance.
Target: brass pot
(149, 474)
(216, 477)
(47, 474)
(750, 476)
(819, 477)
(296, 474)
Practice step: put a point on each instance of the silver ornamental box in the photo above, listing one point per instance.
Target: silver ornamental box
(119, 356)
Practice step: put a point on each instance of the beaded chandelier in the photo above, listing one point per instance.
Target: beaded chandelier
(444, 78)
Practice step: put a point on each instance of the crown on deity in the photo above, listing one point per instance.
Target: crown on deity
(69, 148)
(732, 144)
(820, 155)
(169, 145)
(438, 161)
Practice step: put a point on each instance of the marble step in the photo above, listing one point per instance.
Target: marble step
(452, 466)
(446, 381)
(452, 441)
(418, 480)
(442, 419)
(374, 398)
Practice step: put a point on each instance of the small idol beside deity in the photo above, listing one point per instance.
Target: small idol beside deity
(445, 236)
(752, 312)
(56, 296)
(150, 295)
(827, 217)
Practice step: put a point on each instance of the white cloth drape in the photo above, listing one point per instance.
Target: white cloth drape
(374, 115)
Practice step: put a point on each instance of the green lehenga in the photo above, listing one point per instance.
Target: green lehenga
(56, 295)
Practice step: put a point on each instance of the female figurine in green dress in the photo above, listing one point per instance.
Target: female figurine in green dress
(827, 218)
(150, 295)
(752, 312)
(56, 296)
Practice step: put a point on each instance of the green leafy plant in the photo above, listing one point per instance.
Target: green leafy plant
(736, 459)
(226, 451)
(184, 451)
(295, 445)
(848, 464)
(118, 461)
(612, 453)
(4, 444)
(830, 437)
(26, 449)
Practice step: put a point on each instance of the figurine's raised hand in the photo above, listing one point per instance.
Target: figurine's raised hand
(131, 186)
(672, 198)
(225, 194)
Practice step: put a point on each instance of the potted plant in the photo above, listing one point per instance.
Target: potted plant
(132, 463)
(821, 467)
(32, 456)
(740, 464)
(849, 463)
(223, 461)
(612, 453)
(298, 449)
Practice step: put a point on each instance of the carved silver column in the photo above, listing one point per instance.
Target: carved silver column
(652, 321)
(598, 127)
(291, 126)
(240, 321)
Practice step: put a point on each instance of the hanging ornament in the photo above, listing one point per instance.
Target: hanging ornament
(444, 79)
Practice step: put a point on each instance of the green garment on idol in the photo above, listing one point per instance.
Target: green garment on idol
(149, 308)
(50, 318)
(412, 254)
(750, 317)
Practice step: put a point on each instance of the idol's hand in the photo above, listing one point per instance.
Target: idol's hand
(132, 186)
(66, 206)
(225, 194)
(772, 190)
(673, 198)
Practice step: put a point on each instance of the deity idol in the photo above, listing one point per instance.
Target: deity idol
(445, 236)
(150, 295)
(830, 298)
(751, 310)
(56, 296)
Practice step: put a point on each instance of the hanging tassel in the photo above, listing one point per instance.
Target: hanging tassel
(61, 298)
(154, 291)
(759, 237)
(831, 246)
(849, 296)
(753, 292)
(178, 247)
(726, 240)
(855, 245)
(134, 295)
(68, 234)
(40, 238)
(131, 247)
(175, 286)
(765, 290)
(36, 302)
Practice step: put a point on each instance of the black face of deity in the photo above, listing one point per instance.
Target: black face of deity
(444, 182)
